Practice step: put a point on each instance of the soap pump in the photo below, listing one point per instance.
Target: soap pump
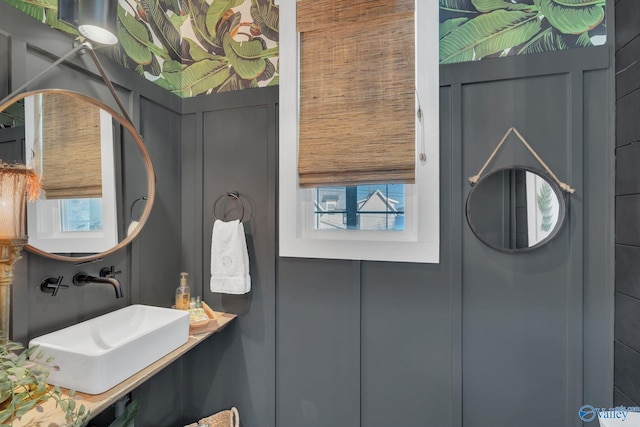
(183, 293)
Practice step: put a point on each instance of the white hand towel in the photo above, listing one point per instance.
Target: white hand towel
(229, 258)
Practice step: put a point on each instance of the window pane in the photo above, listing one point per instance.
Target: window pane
(378, 207)
(81, 214)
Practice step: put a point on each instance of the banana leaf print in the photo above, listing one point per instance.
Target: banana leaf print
(225, 50)
(266, 18)
(475, 29)
(487, 34)
(162, 27)
(189, 47)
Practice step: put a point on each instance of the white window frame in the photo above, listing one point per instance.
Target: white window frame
(44, 224)
(420, 242)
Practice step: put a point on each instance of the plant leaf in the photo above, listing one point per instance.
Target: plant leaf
(192, 50)
(45, 4)
(266, 16)
(199, 77)
(127, 417)
(173, 5)
(163, 28)
(451, 24)
(546, 41)
(198, 16)
(269, 71)
(177, 20)
(584, 40)
(460, 6)
(571, 20)
(491, 5)
(234, 82)
(215, 12)
(154, 68)
(487, 34)
(133, 37)
(245, 57)
(579, 3)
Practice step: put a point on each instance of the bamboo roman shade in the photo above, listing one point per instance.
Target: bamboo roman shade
(70, 130)
(357, 92)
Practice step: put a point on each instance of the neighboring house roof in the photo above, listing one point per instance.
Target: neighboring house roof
(376, 202)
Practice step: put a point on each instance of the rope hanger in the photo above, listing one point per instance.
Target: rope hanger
(474, 179)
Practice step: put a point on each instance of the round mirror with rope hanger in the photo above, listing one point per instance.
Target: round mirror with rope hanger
(516, 208)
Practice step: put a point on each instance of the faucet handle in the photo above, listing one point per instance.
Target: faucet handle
(51, 285)
(109, 272)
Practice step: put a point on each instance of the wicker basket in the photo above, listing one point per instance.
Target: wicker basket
(228, 418)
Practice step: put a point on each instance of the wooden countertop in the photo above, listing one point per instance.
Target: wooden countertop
(51, 416)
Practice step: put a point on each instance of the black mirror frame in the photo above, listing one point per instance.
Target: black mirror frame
(562, 216)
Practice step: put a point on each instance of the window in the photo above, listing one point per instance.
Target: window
(363, 207)
(411, 233)
(72, 225)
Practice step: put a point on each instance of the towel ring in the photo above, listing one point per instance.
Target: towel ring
(134, 203)
(234, 195)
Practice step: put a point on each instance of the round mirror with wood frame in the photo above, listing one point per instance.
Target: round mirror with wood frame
(62, 134)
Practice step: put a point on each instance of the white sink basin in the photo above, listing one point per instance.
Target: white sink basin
(99, 353)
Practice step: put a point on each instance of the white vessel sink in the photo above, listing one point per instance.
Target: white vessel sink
(99, 353)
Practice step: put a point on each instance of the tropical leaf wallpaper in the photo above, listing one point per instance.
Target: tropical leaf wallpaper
(189, 47)
(196, 47)
(475, 29)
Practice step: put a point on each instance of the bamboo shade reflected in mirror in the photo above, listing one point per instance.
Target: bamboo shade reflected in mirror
(70, 130)
(357, 92)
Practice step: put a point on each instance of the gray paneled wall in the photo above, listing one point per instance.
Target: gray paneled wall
(480, 339)
(627, 319)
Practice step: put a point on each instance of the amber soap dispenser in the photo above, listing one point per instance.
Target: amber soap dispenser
(183, 293)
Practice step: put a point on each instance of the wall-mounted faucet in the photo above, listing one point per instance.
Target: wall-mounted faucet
(107, 275)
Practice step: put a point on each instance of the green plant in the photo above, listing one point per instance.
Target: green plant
(23, 386)
(545, 205)
(128, 416)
